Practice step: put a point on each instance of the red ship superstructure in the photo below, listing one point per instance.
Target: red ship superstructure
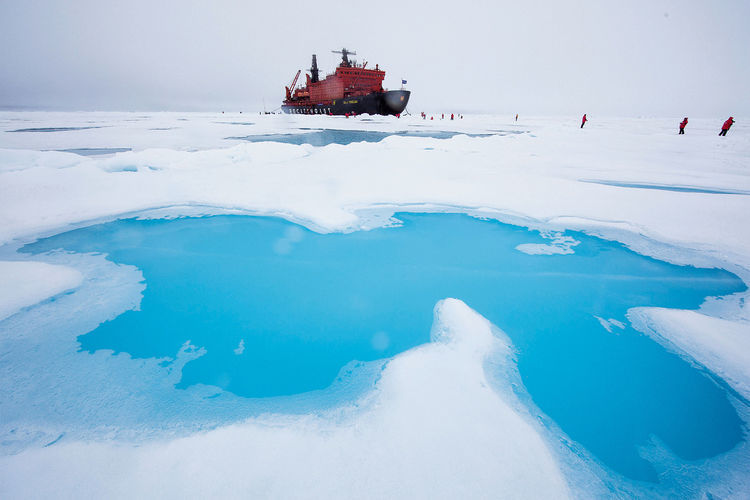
(350, 89)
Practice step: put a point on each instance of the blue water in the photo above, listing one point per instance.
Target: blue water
(324, 137)
(236, 123)
(661, 187)
(95, 151)
(52, 129)
(281, 309)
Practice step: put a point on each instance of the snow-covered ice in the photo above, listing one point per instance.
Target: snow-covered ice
(433, 416)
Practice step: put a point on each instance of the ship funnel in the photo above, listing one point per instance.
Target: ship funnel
(314, 70)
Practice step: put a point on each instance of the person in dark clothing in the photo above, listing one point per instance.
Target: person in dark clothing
(584, 120)
(727, 125)
(682, 125)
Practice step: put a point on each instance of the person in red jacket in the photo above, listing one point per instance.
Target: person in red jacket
(584, 120)
(682, 125)
(726, 126)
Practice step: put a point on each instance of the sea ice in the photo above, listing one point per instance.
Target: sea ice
(551, 177)
(609, 323)
(559, 245)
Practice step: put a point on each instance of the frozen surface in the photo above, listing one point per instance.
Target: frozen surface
(680, 198)
(24, 284)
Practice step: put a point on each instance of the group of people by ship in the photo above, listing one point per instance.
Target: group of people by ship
(442, 116)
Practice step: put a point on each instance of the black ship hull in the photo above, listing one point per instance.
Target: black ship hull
(392, 102)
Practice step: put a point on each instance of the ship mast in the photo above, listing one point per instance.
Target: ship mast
(344, 56)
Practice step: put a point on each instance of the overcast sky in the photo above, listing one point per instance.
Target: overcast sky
(626, 57)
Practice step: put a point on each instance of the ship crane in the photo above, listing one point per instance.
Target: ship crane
(290, 88)
(344, 53)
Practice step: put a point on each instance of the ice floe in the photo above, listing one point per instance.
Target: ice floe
(609, 323)
(559, 245)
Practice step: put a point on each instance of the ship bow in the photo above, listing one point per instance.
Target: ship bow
(395, 101)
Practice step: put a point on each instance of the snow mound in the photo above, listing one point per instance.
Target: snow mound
(24, 284)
